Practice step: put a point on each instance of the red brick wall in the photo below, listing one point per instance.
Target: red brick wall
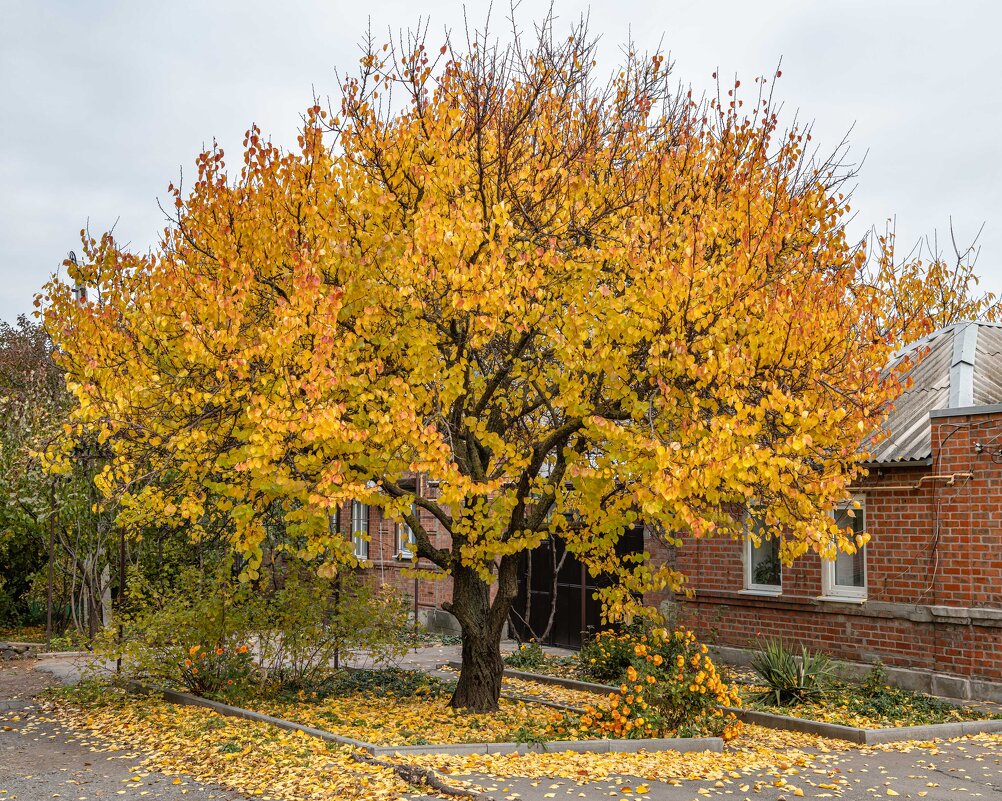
(933, 544)
(384, 568)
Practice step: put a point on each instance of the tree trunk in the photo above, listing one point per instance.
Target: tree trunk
(479, 686)
(482, 624)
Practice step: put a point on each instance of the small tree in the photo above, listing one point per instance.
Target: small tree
(573, 304)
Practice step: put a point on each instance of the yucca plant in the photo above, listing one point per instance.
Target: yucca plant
(789, 677)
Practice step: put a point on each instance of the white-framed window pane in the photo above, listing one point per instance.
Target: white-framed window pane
(359, 518)
(762, 566)
(359, 529)
(845, 575)
(765, 566)
(850, 569)
(405, 536)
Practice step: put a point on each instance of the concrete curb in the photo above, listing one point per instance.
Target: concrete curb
(680, 744)
(61, 654)
(36, 650)
(860, 736)
(570, 684)
(238, 712)
(834, 731)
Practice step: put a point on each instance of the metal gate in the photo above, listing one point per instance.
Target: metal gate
(569, 598)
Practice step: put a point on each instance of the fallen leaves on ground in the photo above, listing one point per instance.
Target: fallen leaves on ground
(758, 751)
(418, 720)
(260, 760)
(564, 667)
(590, 767)
(552, 692)
(251, 758)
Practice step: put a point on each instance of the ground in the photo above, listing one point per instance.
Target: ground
(40, 759)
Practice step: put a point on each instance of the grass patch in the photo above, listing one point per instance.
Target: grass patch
(378, 683)
(869, 707)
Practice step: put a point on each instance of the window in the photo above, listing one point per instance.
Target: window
(844, 577)
(763, 568)
(405, 537)
(360, 529)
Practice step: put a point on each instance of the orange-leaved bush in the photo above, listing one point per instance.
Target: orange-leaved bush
(669, 688)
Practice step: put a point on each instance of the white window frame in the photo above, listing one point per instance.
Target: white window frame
(360, 529)
(841, 592)
(747, 546)
(405, 538)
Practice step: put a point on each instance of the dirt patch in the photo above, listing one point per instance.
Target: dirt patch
(20, 681)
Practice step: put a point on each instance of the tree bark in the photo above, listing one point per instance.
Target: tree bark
(482, 623)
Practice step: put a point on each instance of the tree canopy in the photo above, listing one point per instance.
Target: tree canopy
(574, 304)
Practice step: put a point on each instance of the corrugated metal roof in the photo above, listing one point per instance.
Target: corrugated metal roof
(988, 375)
(963, 367)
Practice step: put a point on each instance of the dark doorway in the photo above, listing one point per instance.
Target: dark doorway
(569, 598)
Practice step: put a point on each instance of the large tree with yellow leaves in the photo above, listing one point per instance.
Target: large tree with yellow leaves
(573, 304)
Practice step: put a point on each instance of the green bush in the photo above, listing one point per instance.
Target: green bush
(170, 639)
(791, 678)
(311, 620)
(217, 636)
(528, 655)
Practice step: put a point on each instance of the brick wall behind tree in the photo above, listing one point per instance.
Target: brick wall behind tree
(934, 544)
(385, 568)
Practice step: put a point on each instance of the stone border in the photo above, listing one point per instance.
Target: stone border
(835, 731)
(860, 736)
(542, 678)
(682, 744)
(679, 744)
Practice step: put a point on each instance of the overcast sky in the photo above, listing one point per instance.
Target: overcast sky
(102, 104)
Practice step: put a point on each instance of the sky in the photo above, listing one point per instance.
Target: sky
(103, 104)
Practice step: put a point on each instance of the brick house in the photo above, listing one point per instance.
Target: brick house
(925, 594)
(383, 544)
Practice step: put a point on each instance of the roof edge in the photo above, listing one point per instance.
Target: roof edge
(924, 462)
(921, 342)
(967, 411)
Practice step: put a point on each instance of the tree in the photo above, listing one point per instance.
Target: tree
(39, 506)
(33, 401)
(926, 290)
(574, 305)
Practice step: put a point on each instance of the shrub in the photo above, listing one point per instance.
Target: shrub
(876, 678)
(791, 678)
(528, 655)
(605, 656)
(171, 639)
(670, 688)
(217, 636)
(222, 670)
(310, 620)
